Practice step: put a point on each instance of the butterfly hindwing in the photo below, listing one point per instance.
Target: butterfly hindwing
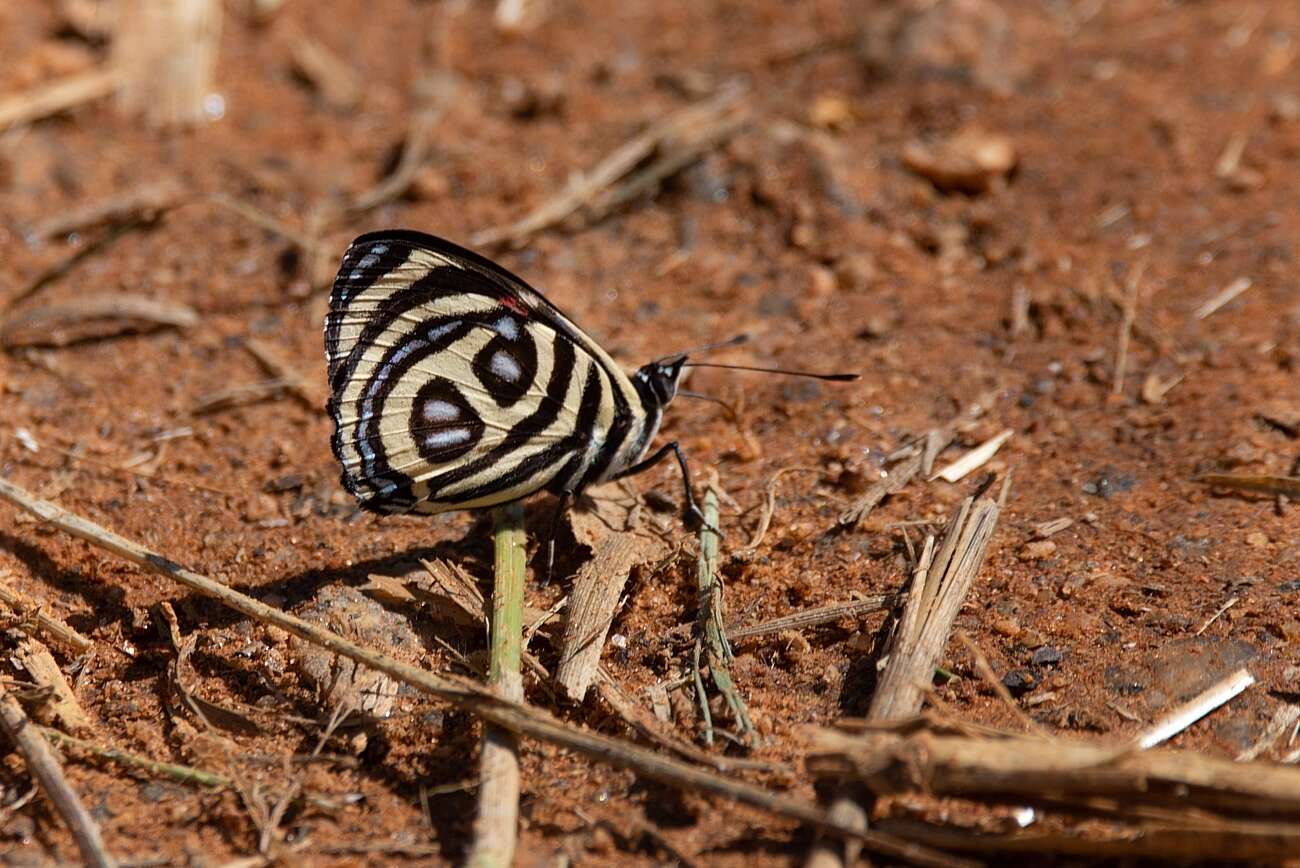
(454, 385)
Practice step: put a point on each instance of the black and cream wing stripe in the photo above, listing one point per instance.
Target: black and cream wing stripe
(454, 385)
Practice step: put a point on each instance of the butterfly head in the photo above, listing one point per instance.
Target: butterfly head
(661, 377)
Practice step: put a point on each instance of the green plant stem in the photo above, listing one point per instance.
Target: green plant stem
(179, 773)
(714, 634)
(496, 829)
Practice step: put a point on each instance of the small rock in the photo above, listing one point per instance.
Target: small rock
(1008, 627)
(831, 111)
(1046, 656)
(1020, 681)
(969, 162)
(429, 184)
(291, 482)
(529, 100)
(971, 39)
(1034, 551)
(1257, 540)
(821, 282)
(793, 645)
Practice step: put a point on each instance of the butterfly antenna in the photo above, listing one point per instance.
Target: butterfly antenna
(838, 378)
(720, 345)
(683, 393)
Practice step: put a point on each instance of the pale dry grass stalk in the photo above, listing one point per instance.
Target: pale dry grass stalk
(165, 54)
(939, 586)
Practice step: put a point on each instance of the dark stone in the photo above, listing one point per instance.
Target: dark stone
(1046, 656)
(1020, 681)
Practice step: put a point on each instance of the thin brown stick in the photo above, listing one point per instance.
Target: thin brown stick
(1127, 318)
(908, 759)
(898, 477)
(434, 96)
(47, 771)
(325, 71)
(144, 203)
(29, 611)
(64, 266)
(986, 672)
(1287, 485)
(275, 364)
(238, 396)
(587, 188)
(94, 316)
(57, 96)
(813, 617)
(475, 699)
(61, 704)
(270, 223)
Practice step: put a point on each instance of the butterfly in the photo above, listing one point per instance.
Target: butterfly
(455, 385)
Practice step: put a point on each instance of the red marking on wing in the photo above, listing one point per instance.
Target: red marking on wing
(515, 305)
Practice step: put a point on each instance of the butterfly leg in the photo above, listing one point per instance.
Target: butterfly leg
(563, 502)
(692, 507)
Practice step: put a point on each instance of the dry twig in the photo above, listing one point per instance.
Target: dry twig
(814, 617)
(41, 667)
(434, 95)
(145, 203)
(29, 611)
(677, 141)
(936, 441)
(47, 771)
(1286, 485)
(165, 54)
(92, 317)
(1128, 317)
(57, 96)
(1194, 709)
(939, 585)
(278, 366)
(1222, 298)
(974, 459)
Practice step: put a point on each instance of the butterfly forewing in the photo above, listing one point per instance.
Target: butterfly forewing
(454, 385)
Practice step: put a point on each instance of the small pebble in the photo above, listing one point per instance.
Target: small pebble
(1043, 548)
(1020, 680)
(1046, 656)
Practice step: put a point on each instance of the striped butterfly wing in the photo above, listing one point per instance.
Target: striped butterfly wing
(454, 385)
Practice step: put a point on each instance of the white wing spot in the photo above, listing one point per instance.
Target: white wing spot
(505, 366)
(447, 438)
(441, 411)
(508, 328)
